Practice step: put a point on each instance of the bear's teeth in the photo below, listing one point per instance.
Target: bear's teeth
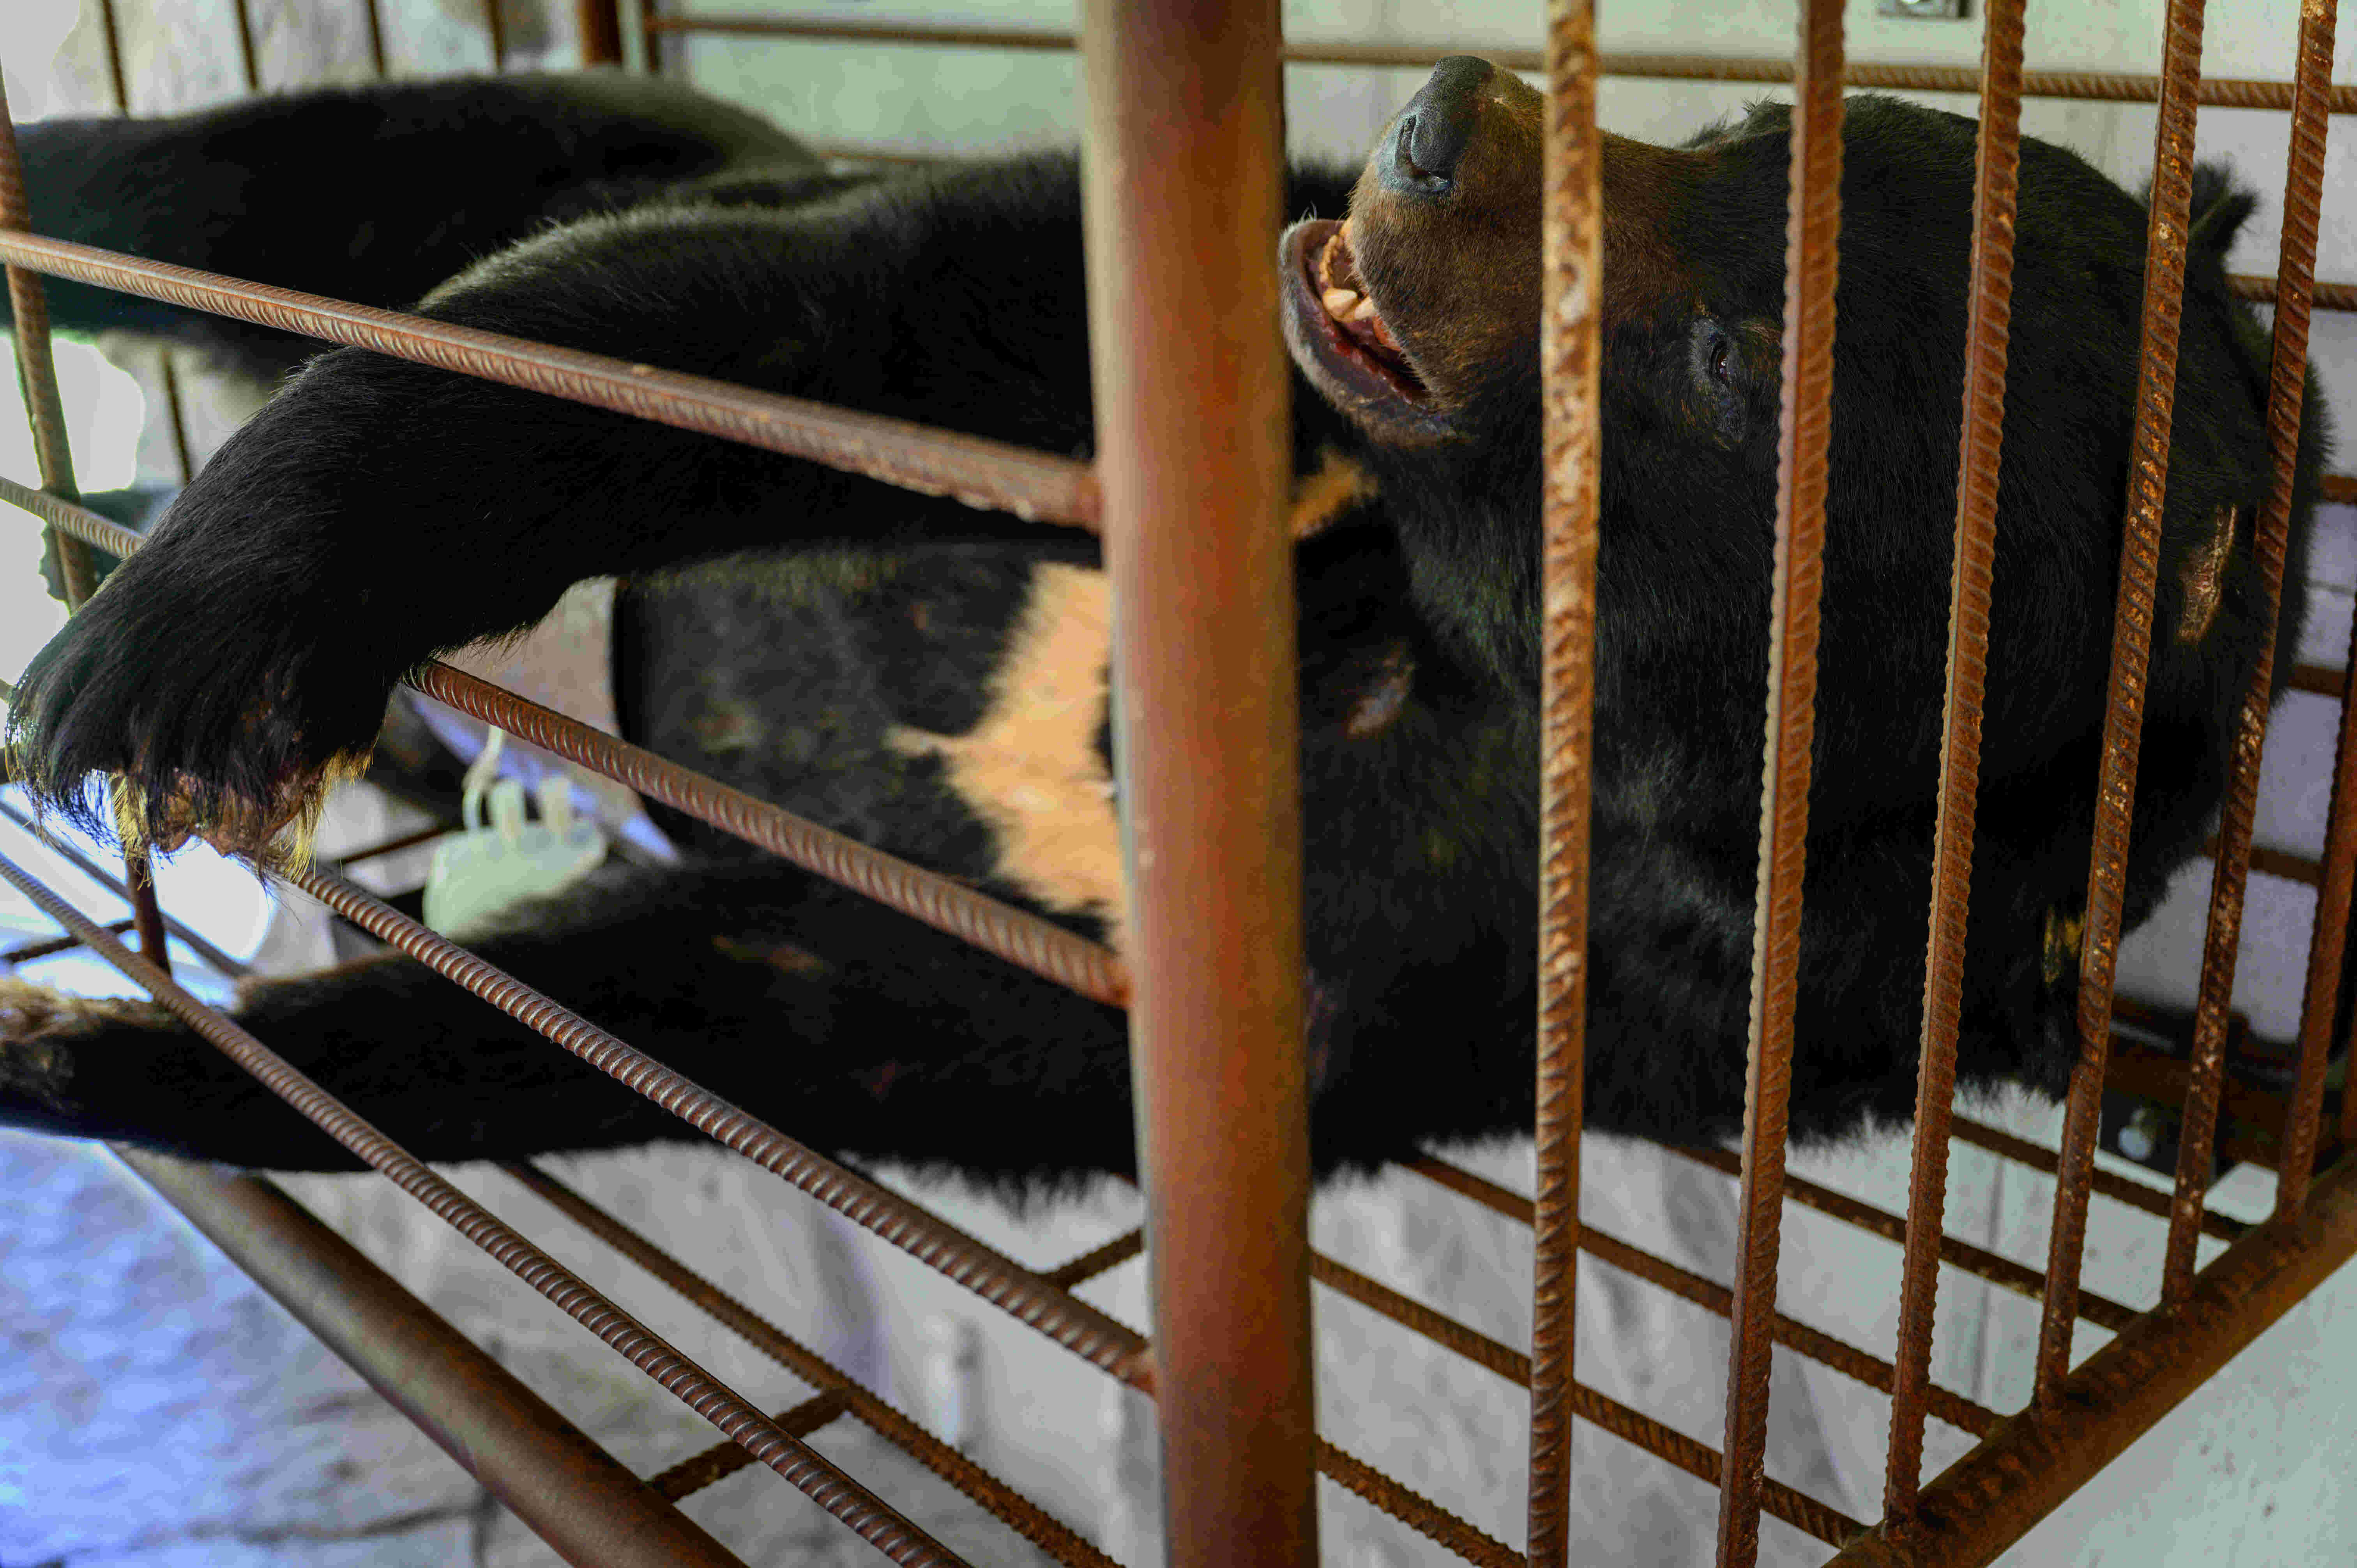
(1339, 301)
(1365, 312)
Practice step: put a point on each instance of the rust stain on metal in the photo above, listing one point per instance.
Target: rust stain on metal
(1988, 324)
(2164, 273)
(865, 1513)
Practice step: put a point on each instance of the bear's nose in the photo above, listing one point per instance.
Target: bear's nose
(1430, 134)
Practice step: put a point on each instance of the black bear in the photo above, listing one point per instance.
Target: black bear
(877, 659)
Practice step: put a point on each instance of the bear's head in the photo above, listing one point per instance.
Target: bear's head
(1418, 320)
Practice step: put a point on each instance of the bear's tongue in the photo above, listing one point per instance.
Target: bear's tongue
(1344, 295)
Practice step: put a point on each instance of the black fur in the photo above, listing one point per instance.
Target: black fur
(378, 512)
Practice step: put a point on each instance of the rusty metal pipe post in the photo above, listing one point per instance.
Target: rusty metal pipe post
(548, 1473)
(1182, 185)
(600, 22)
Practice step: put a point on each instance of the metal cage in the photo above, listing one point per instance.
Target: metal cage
(1183, 134)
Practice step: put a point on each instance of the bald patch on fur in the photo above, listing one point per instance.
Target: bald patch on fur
(1030, 770)
(2204, 576)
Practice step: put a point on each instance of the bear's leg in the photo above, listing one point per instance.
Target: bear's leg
(840, 1023)
(378, 512)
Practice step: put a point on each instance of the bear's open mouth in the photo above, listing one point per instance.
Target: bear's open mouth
(1360, 330)
(1339, 337)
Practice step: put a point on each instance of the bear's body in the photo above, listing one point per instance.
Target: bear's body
(930, 678)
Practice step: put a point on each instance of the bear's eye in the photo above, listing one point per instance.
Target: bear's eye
(1718, 348)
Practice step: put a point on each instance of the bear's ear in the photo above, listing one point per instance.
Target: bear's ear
(2220, 206)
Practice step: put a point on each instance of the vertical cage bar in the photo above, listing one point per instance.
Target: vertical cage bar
(373, 19)
(1181, 191)
(1812, 231)
(249, 60)
(111, 34)
(495, 29)
(2164, 284)
(37, 374)
(2295, 280)
(600, 24)
(1996, 167)
(1570, 350)
(538, 1463)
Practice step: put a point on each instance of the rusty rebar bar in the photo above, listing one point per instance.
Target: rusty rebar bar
(865, 1513)
(36, 376)
(1097, 1260)
(1709, 1294)
(1079, 1327)
(1812, 233)
(2036, 1459)
(55, 945)
(599, 23)
(394, 844)
(2321, 296)
(495, 34)
(1010, 1506)
(2295, 272)
(1794, 1508)
(2164, 287)
(372, 20)
(553, 1478)
(1361, 1480)
(213, 957)
(2117, 87)
(1015, 934)
(1036, 486)
(1988, 324)
(1570, 349)
(716, 1464)
(249, 58)
(2340, 490)
(1957, 1254)
(110, 39)
(1182, 181)
(2118, 1188)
